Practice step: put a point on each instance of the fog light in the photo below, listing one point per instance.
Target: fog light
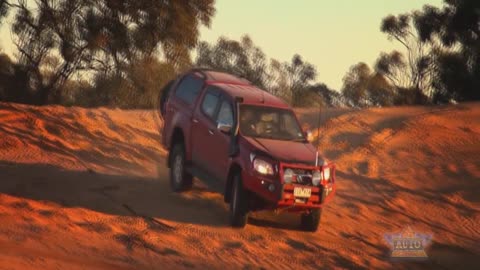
(326, 174)
(316, 177)
(288, 176)
(271, 187)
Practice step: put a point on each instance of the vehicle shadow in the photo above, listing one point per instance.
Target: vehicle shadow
(111, 194)
(127, 196)
(285, 221)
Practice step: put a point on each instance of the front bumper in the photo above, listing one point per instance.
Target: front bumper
(283, 194)
(319, 196)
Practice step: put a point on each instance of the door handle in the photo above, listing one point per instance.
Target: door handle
(194, 120)
(210, 131)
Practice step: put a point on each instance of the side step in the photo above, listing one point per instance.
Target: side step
(213, 183)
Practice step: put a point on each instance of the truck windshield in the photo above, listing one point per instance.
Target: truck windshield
(269, 123)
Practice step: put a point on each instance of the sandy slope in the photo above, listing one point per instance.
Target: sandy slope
(87, 189)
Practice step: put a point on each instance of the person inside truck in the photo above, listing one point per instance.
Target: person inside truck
(258, 123)
(247, 122)
(267, 124)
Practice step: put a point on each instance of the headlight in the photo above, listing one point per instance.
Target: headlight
(262, 167)
(288, 176)
(316, 178)
(326, 174)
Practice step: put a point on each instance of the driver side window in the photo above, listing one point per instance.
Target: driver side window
(225, 114)
(210, 103)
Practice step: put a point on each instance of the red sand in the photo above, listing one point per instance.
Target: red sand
(88, 189)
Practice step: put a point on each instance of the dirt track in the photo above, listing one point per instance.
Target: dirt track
(88, 189)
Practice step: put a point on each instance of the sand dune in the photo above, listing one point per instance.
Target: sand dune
(88, 189)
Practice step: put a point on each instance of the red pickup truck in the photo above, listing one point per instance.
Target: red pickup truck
(246, 144)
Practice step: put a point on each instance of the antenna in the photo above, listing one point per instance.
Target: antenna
(318, 131)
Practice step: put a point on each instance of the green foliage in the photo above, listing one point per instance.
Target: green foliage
(139, 87)
(300, 75)
(290, 80)
(456, 25)
(324, 96)
(3, 10)
(397, 27)
(405, 96)
(242, 58)
(456, 79)
(380, 92)
(6, 64)
(355, 84)
(443, 53)
(117, 44)
(13, 79)
(5, 73)
(102, 36)
(413, 71)
(362, 87)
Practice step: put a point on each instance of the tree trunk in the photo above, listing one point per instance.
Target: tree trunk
(42, 97)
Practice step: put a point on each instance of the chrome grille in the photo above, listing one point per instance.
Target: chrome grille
(302, 177)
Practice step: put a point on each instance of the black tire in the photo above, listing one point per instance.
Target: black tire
(238, 204)
(311, 220)
(180, 179)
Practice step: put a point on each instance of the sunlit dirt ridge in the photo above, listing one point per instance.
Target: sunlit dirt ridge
(88, 188)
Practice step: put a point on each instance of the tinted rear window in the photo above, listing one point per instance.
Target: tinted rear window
(189, 89)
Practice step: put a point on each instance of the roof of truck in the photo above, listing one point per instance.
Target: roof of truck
(239, 87)
(253, 95)
(218, 76)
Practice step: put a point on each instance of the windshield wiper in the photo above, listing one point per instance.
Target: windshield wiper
(272, 137)
(266, 137)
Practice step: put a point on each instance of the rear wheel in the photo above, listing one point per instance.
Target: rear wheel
(238, 204)
(311, 220)
(180, 179)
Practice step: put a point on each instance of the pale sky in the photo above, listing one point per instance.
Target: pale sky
(332, 35)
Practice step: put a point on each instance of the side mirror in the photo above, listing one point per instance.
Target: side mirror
(309, 136)
(224, 127)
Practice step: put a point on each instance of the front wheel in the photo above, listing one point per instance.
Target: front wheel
(180, 179)
(311, 220)
(238, 204)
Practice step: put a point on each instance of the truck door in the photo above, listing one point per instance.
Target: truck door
(220, 153)
(180, 106)
(203, 129)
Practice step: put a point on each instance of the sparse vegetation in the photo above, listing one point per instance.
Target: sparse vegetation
(97, 53)
(62, 40)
